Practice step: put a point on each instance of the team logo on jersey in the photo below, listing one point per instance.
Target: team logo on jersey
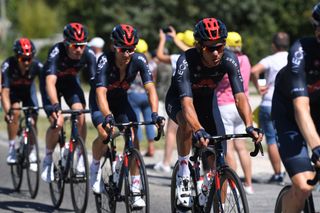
(103, 60)
(296, 60)
(54, 52)
(182, 67)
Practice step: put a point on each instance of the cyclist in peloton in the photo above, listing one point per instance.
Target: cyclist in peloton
(116, 70)
(18, 74)
(296, 115)
(60, 78)
(191, 101)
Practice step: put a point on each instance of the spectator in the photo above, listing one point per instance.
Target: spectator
(97, 45)
(271, 65)
(138, 98)
(183, 41)
(231, 119)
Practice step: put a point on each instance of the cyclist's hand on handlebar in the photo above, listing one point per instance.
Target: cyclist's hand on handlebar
(108, 122)
(202, 137)
(56, 109)
(315, 157)
(8, 117)
(255, 133)
(158, 120)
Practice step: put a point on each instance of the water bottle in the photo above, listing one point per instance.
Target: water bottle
(65, 152)
(117, 167)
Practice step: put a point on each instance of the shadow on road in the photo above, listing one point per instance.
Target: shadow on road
(24, 206)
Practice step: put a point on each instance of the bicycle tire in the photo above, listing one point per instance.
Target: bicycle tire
(79, 180)
(57, 186)
(106, 201)
(33, 168)
(16, 169)
(135, 156)
(278, 206)
(173, 198)
(214, 203)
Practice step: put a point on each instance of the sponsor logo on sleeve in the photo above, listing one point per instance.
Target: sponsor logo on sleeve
(296, 59)
(54, 52)
(5, 66)
(103, 60)
(182, 67)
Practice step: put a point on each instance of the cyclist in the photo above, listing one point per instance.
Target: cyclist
(191, 101)
(115, 72)
(295, 110)
(60, 78)
(18, 74)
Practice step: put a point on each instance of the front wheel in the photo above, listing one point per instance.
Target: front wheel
(278, 207)
(79, 176)
(17, 168)
(136, 183)
(230, 197)
(33, 163)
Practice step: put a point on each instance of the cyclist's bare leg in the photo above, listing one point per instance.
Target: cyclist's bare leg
(274, 157)
(13, 127)
(82, 126)
(245, 160)
(52, 135)
(171, 134)
(184, 136)
(134, 170)
(294, 199)
(230, 156)
(98, 147)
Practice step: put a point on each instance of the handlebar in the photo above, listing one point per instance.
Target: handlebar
(134, 124)
(72, 112)
(26, 108)
(217, 139)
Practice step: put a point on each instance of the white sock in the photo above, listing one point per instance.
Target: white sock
(183, 166)
(135, 180)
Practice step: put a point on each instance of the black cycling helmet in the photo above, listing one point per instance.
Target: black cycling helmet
(124, 35)
(75, 33)
(316, 14)
(24, 47)
(210, 29)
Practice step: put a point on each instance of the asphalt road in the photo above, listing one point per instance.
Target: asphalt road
(10, 201)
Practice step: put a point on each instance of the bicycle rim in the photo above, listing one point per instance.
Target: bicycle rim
(231, 197)
(173, 193)
(33, 165)
(278, 206)
(79, 176)
(106, 201)
(57, 186)
(17, 169)
(136, 160)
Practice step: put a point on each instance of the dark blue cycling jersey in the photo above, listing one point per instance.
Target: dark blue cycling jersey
(66, 70)
(22, 87)
(193, 79)
(301, 77)
(108, 75)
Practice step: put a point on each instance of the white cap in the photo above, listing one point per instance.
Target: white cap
(96, 42)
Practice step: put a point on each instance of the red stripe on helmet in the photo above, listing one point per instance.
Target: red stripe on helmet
(26, 46)
(128, 37)
(78, 31)
(212, 25)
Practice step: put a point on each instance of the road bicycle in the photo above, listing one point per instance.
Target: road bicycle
(113, 189)
(27, 153)
(309, 206)
(66, 159)
(226, 193)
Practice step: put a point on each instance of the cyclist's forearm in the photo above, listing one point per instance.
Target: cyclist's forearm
(51, 88)
(102, 101)
(244, 108)
(152, 96)
(190, 114)
(6, 104)
(305, 122)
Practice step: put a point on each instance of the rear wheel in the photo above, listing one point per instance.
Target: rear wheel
(17, 169)
(33, 163)
(79, 176)
(133, 191)
(230, 197)
(57, 186)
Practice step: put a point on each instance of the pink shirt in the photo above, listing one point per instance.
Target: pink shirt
(224, 91)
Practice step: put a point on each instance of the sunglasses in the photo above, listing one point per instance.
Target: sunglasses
(218, 48)
(77, 45)
(125, 50)
(24, 59)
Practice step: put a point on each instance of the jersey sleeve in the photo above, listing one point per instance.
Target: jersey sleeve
(100, 76)
(51, 67)
(233, 69)
(91, 60)
(181, 78)
(296, 74)
(5, 75)
(145, 72)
